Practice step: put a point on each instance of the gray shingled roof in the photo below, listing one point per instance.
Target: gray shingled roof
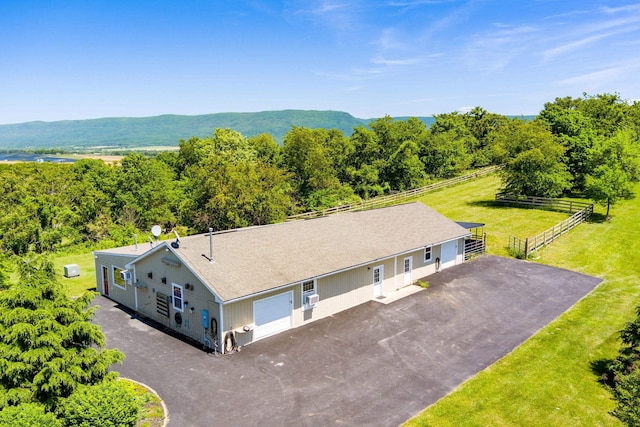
(255, 259)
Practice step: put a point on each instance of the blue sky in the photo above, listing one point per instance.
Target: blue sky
(79, 59)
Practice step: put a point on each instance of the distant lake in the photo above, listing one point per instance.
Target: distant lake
(32, 157)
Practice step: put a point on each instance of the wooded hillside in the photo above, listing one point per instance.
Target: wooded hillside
(227, 180)
(165, 130)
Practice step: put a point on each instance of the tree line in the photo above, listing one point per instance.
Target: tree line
(54, 369)
(585, 145)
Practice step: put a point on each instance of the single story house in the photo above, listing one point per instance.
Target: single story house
(238, 286)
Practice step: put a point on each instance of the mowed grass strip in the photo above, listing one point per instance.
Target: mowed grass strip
(76, 286)
(550, 380)
(473, 201)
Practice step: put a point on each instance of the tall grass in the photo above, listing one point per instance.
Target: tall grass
(550, 379)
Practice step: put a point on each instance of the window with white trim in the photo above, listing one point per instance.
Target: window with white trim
(427, 254)
(308, 288)
(177, 296)
(117, 279)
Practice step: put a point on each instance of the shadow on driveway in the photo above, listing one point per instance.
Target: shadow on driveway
(374, 364)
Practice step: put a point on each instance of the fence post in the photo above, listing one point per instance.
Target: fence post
(526, 248)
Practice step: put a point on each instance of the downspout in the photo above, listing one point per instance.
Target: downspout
(221, 329)
(135, 289)
(395, 272)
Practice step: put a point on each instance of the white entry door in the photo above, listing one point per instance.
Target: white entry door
(449, 254)
(378, 277)
(272, 315)
(407, 270)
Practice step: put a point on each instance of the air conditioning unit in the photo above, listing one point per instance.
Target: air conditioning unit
(71, 270)
(313, 299)
(125, 275)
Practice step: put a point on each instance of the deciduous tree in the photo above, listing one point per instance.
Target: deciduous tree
(616, 167)
(534, 161)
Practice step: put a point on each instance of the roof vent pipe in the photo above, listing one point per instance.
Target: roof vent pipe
(211, 245)
(135, 241)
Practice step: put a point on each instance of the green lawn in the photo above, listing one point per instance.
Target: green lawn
(549, 380)
(473, 202)
(86, 280)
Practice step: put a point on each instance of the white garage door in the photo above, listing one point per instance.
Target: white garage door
(272, 315)
(449, 253)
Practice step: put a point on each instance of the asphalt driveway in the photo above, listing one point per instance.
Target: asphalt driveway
(372, 365)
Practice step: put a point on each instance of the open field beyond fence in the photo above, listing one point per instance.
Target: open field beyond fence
(550, 380)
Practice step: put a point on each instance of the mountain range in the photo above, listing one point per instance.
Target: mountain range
(166, 130)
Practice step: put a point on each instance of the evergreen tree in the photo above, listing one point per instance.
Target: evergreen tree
(624, 374)
(48, 345)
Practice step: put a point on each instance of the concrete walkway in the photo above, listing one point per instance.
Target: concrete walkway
(375, 364)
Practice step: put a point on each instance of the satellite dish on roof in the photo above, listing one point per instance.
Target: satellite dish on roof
(156, 230)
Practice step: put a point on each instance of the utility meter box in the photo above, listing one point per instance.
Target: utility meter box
(71, 270)
(205, 319)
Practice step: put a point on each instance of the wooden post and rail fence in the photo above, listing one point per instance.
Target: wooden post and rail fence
(396, 197)
(579, 211)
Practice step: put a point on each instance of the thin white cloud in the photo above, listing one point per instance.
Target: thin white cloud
(339, 17)
(417, 3)
(392, 62)
(388, 40)
(508, 30)
(457, 16)
(591, 34)
(496, 50)
(573, 45)
(326, 7)
(602, 77)
(358, 74)
(624, 9)
(551, 38)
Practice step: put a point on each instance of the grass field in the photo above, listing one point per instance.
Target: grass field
(86, 280)
(549, 380)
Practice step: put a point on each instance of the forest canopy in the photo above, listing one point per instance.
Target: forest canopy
(585, 145)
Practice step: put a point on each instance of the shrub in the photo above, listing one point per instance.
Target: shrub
(109, 404)
(27, 414)
(422, 284)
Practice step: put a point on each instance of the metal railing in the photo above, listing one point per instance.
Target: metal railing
(475, 246)
(396, 197)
